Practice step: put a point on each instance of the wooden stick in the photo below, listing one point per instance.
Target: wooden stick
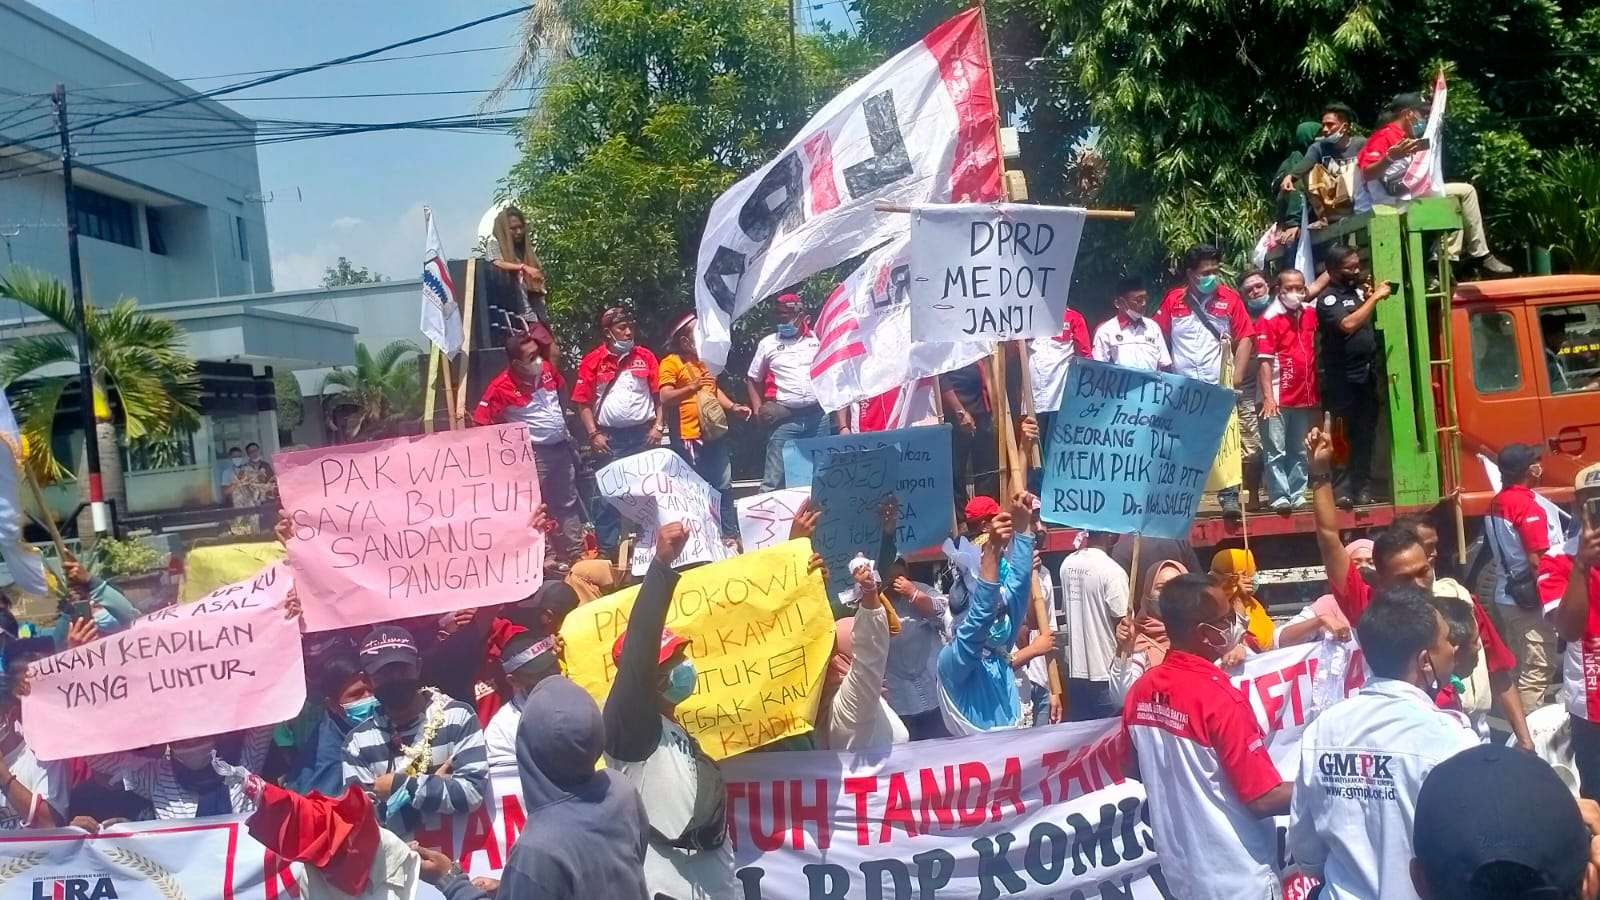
(467, 302)
(449, 393)
(1133, 575)
(48, 520)
(1104, 214)
(1034, 461)
(427, 392)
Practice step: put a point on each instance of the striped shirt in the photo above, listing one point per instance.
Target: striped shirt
(152, 777)
(374, 747)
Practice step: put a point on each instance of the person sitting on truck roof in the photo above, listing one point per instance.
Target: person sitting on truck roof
(1334, 147)
(1400, 555)
(1349, 378)
(1208, 328)
(1386, 156)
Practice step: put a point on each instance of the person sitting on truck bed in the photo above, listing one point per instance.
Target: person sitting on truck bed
(1400, 556)
(1386, 156)
(1349, 378)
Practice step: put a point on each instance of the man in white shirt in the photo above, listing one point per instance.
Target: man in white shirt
(911, 681)
(779, 381)
(1130, 338)
(1363, 761)
(1094, 597)
(527, 660)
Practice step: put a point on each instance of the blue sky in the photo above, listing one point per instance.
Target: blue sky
(362, 194)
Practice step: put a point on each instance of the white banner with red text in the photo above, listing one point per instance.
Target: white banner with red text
(918, 129)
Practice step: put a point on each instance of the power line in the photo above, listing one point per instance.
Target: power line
(356, 62)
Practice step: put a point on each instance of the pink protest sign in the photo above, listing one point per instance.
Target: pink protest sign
(269, 587)
(412, 526)
(185, 677)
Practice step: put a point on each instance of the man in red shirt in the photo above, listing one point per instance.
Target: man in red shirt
(1206, 324)
(1399, 556)
(1286, 345)
(1212, 785)
(1392, 150)
(616, 396)
(529, 392)
(1517, 534)
(1572, 586)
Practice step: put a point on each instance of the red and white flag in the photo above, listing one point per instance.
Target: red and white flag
(865, 334)
(441, 317)
(1425, 176)
(919, 129)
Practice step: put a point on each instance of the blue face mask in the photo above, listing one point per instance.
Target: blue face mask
(680, 683)
(1418, 128)
(622, 348)
(787, 330)
(1206, 284)
(1257, 307)
(360, 710)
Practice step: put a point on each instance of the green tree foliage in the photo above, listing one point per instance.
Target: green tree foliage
(661, 107)
(345, 272)
(1562, 210)
(141, 361)
(1195, 102)
(381, 396)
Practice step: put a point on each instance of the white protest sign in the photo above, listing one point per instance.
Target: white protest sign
(991, 271)
(764, 519)
(656, 487)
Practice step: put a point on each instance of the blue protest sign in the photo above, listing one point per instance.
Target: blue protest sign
(1129, 450)
(850, 488)
(927, 505)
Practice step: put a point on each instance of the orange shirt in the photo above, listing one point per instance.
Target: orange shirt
(681, 373)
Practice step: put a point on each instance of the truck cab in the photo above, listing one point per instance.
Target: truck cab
(1527, 370)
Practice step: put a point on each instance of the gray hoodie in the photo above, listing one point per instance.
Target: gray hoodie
(586, 829)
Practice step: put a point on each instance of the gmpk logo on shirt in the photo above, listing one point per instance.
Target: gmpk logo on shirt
(1370, 766)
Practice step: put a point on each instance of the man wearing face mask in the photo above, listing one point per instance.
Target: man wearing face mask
(1257, 294)
(1213, 788)
(1363, 760)
(1208, 328)
(181, 783)
(1289, 399)
(528, 660)
(347, 702)
(1349, 380)
(1384, 160)
(616, 397)
(689, 857)
(529, 392)
(779, 385)
(422, 755)
(1130, 338)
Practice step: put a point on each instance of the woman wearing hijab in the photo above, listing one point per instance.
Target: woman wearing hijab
(1234, 571)
(1142, 643)
(1323, 615)
(1291, 200)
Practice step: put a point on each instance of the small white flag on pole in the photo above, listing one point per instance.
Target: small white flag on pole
(441, 316)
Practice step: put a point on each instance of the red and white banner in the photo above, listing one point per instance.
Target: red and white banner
(865, 334)
(919, 129)
(202, 859)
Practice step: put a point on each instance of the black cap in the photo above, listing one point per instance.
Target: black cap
(388, 644)
(1410, 100)
(1515, 459)
(556, 597)
(1491, 805)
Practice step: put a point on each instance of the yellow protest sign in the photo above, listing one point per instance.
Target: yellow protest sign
(760, 630)
(1227, 470)
(208, 568)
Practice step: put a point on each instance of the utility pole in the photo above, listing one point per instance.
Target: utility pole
(91, 445)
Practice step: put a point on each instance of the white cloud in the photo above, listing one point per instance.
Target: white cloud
(345, 223)
(388, 242)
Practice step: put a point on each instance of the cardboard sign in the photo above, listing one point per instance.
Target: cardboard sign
(764, 519)
(412, 526)
(268, 588)
(927, 506)
(991, 271)
(1129, 450)
(185, 677)
(850, 488)
(760, 631)
(656, 487)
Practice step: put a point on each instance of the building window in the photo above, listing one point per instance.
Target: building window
(1495, 368)
(104, 218)
(244, 238)
(176, 452)
(154, 230)
(1570, 336)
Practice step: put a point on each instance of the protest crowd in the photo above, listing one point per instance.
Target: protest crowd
(571, 678)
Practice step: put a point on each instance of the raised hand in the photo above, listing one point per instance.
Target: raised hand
(805, 521)
(671, 538)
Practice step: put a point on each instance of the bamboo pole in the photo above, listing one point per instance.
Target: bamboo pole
(1104, 214)
(427, 392)
(468, 301)
(449, 393)
(45, 517)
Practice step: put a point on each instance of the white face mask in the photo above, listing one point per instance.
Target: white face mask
(1292, 299)
(1223, 641)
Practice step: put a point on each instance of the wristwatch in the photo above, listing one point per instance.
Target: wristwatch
(1317, 478)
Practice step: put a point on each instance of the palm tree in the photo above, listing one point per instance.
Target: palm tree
(381, 395)
(543, 38)
(142, 359)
